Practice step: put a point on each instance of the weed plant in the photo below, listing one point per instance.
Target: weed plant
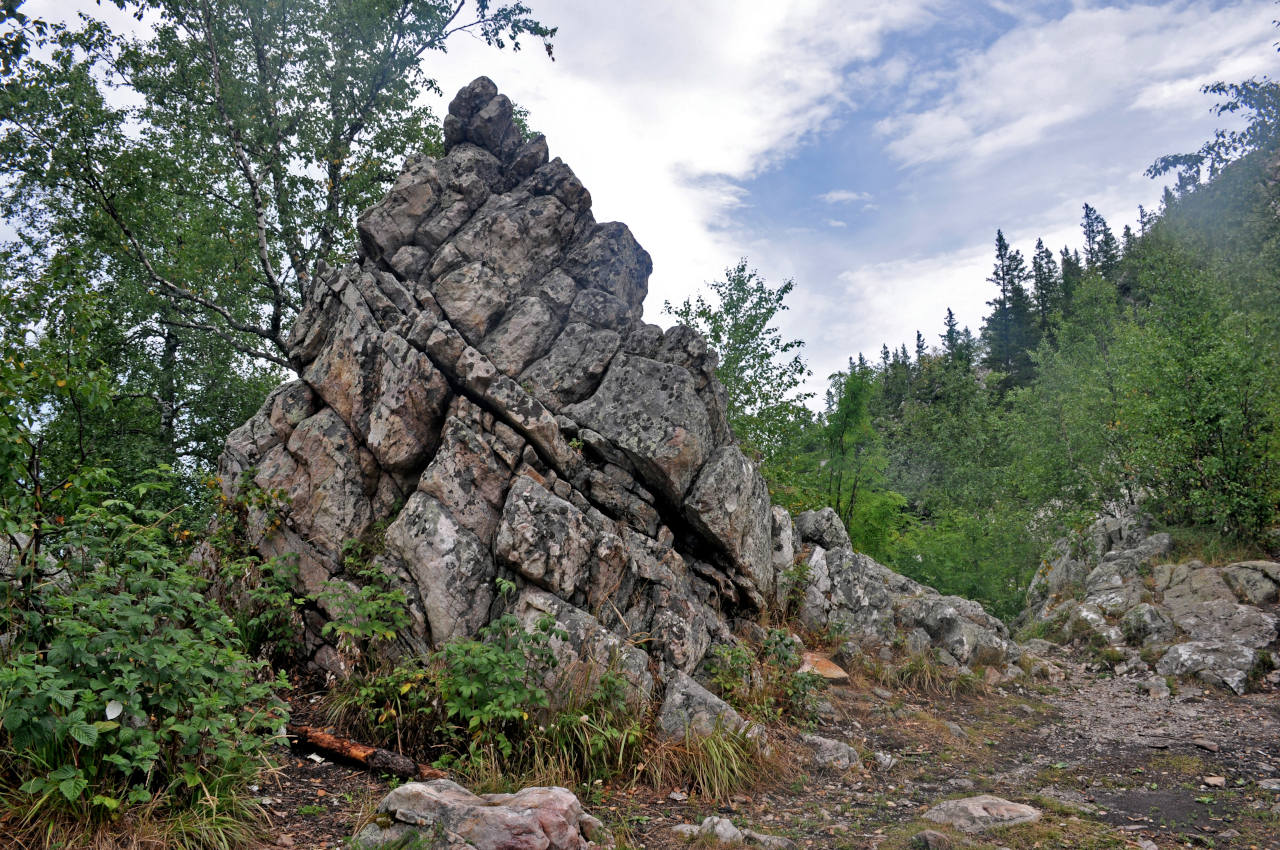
(770, 686)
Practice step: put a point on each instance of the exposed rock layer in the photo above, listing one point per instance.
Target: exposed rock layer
(1112, 588)
(477, 388)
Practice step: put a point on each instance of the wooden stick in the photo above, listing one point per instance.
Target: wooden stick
(374, 758)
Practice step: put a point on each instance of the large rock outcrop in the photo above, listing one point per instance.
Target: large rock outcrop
(479, 383)
(1113, 589)
(478, 390)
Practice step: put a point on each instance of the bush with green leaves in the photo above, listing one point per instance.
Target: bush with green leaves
(770, 685)
(365, 610)
(472, 698)
(123, 689)
(491, 685)
(259, 594)
(121, 683)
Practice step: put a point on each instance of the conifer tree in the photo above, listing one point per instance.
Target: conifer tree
(1009, 332)
(1046, 281)
(1101, 250)
(1072, 273)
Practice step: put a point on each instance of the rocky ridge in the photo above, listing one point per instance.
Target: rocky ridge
(478, 390)
(1221, 624)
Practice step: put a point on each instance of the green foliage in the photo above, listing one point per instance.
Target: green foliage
(365, 609)
(730, 670)
(1259, 100)
(191, 177)
(122, 683)
(264, 602)
(855, 463)
(469, 704)
(760, 371)
(491, 684)
(768, 686)
(1200, 401)
(123, 687)
(989, 557)
(1010, 332)
(251, 136)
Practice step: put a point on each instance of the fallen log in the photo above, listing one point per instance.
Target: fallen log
(374, 758)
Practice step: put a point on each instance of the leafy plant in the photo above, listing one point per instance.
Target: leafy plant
(122, 684)
(259, 594)
(490, 685)
(770, 686)
(368, 611)
(123, 690)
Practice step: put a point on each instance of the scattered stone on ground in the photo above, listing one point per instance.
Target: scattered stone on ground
(530, 819)
(1084, 759)
(932, 840)
(827, 753)
(978, 814)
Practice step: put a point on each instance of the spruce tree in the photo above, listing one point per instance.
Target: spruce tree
(1009, 332)
(1101, 250)
(1072, 274)
(1046, 281)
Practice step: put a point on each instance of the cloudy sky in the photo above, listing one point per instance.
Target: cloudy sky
(867, 149)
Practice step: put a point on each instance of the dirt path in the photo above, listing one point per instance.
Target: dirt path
(1108, 765)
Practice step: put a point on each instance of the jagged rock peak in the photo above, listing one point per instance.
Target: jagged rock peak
(479, 384)
(479, 399)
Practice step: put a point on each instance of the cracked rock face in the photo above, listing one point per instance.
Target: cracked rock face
(1216, 623)
(479, 383)
(478, 392)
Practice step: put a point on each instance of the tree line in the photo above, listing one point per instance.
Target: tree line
(1133, 369)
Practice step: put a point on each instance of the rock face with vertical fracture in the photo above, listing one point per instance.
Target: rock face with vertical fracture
(478, 383)
(478, 391)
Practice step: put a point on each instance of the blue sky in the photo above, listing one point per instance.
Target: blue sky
(869, 150)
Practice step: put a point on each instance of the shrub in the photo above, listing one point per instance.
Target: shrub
(258, 593)
(368, 613)
(490, 685)
(122, 684)
(470, 699)
(768, 687)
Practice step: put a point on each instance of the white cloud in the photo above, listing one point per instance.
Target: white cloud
(843, 196)
(1039, 80)
(660, 107)
(835, 222)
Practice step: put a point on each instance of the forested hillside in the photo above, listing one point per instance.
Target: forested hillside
(1138, 368)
